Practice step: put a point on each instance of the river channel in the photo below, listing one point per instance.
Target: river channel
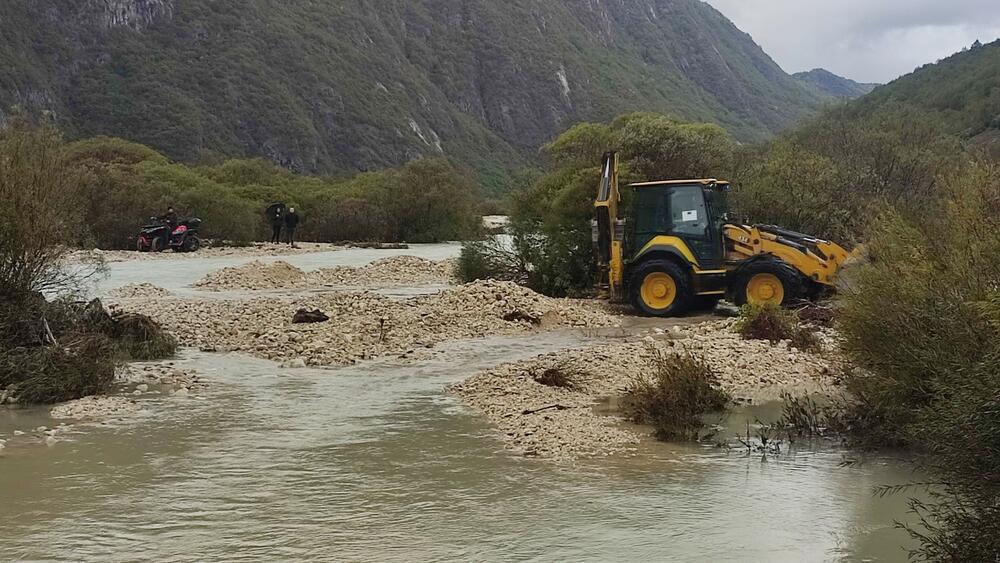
(376, 463)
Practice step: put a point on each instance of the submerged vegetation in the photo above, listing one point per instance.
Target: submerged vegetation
(675, 397)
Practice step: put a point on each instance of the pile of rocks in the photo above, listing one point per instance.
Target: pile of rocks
(392, 271)
(140, 291)
(365, 325)
(388, 272)
(752, 371)
(255, 275)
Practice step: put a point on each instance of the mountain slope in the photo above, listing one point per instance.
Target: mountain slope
(961, 92)
(829, 84)
(347, 85)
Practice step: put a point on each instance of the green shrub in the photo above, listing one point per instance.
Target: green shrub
(921, 320)
(52, 351)
(774, 324)
(674, 397)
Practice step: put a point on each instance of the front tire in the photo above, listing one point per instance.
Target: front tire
(157, 245)
(661, 288)
(768, 282)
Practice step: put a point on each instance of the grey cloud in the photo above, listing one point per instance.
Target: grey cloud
(867, 40)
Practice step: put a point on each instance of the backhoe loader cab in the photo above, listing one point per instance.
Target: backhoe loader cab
(674, 251)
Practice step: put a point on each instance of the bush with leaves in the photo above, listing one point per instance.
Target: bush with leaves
(674, 397)
(40, 219)
(833, 175)
(921, 319)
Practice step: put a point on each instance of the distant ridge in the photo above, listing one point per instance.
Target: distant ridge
(830, 84)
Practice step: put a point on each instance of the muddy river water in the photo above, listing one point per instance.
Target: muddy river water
(376, 463)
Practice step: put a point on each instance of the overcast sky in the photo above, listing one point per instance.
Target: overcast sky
(867, 40)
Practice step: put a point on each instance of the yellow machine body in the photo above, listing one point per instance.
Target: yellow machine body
(677, 249)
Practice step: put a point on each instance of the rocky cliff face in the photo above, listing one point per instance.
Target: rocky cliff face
(345, 86)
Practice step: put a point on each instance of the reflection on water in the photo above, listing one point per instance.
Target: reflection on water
(375, 463)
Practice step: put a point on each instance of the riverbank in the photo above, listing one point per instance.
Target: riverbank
(563, 423)
(258, 320)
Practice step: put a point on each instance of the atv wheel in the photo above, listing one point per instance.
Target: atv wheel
(768, 282)
(157, 245)
(661, 288)
(192, 244)
(139, 246)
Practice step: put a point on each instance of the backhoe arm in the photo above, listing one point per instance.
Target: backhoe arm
(609, 232)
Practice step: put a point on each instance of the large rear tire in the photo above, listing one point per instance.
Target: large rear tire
(157, 245)
(769, 282)
(661, 288)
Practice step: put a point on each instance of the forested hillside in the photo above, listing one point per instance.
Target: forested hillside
(340, 86)
(829, 84)
(961, 92)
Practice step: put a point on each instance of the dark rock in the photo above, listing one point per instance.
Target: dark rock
(304, 316)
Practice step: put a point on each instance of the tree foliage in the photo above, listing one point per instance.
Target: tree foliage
(40, 201)
(127, 183)
(922, 319)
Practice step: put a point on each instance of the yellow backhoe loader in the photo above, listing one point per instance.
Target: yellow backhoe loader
(677, 252)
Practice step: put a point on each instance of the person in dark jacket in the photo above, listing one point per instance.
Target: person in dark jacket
(170, 218)
(291, 223)
(277, 221)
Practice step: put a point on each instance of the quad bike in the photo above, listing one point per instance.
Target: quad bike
(159, 236)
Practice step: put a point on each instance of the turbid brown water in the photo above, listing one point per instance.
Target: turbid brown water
(376, 463)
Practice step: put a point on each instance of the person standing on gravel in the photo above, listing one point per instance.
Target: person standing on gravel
(277, 221)
(291, 223)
